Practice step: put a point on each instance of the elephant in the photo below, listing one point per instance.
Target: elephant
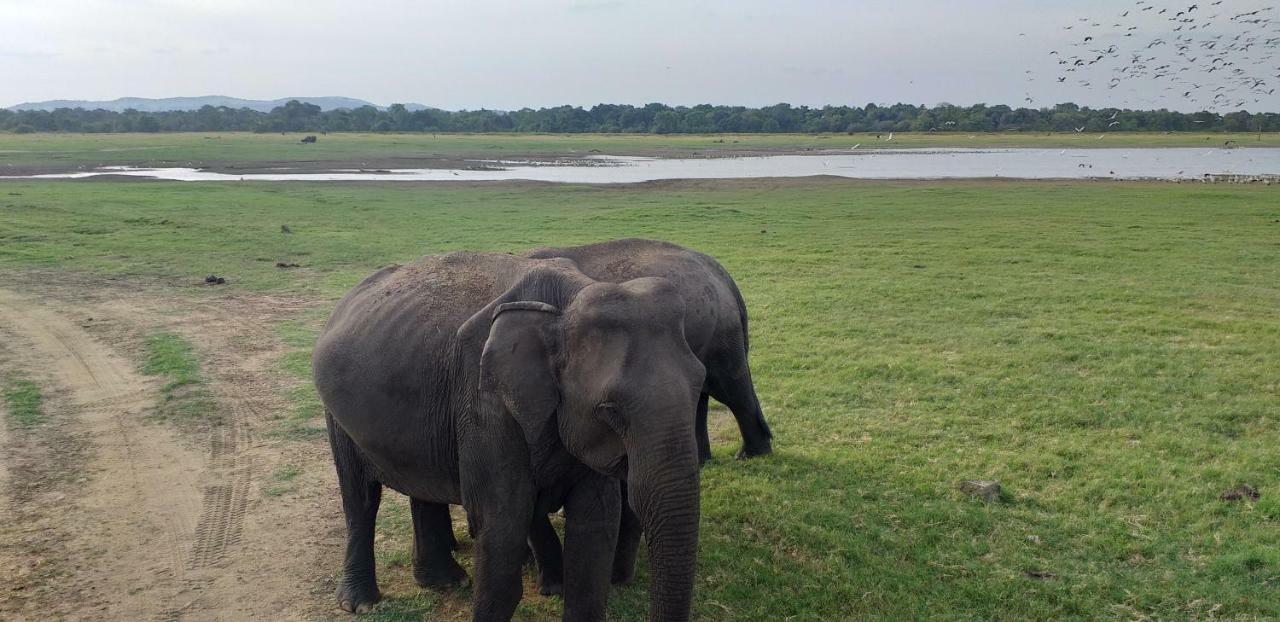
(716, 329)
(715, 323)
(511, 386)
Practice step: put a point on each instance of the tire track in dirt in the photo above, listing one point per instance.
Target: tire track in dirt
(136, 515)
(250, 554)
(4, 442)
(225, 503)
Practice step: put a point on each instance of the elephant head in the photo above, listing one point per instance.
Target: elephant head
(602, 372)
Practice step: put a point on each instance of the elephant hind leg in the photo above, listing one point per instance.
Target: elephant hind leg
(361, 494)
(731, 385)
(433, 544)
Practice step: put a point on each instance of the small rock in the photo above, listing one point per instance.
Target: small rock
(988, 490)
(214, 279)
(1039, 575)
(1240, 493)
(285, 229)
(281, 264)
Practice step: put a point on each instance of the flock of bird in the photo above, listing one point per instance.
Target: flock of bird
(1210, 54)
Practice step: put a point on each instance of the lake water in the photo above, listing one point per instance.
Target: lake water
(1168, 164)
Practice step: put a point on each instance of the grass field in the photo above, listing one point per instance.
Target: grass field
(54, 151)
(1106, 351)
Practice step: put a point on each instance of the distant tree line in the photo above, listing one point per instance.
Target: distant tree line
(648, 119)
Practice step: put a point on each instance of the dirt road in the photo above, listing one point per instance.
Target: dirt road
(111, 515)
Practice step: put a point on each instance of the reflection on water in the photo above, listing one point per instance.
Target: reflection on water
(867, 164)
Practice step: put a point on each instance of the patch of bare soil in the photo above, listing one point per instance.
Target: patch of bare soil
(108, 514)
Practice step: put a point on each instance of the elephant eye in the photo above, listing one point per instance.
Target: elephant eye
(608, 412)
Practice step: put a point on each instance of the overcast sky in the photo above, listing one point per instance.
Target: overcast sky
(514, 53)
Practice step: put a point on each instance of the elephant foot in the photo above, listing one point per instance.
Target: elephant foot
(550, 587)
(357, 597)
(449, 576)
(624, 568)
(623, 573)
(751, 451)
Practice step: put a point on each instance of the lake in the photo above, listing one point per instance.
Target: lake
(1164, 164)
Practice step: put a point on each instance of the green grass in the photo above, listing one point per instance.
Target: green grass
(305, 418)
(23, 401)
(184, 398)
(200, 149)
(282, 481)
(1104, 350)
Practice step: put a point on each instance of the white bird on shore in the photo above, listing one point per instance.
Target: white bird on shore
(889, 138)
(855, 146)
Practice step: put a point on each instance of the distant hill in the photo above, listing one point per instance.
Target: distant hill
(144, 104)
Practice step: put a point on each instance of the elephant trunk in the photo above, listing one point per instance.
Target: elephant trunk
(663, 490)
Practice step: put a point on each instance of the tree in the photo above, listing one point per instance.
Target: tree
(399, 118)
(666, 122)
(147, 124)
(296, 116)
(1238, 121)
(654, 117)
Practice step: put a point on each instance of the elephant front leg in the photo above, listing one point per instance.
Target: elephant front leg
(591, 531)
(546, 554)
(500, 550)
(499, 494)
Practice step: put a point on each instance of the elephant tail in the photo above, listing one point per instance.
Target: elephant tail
(742, 315)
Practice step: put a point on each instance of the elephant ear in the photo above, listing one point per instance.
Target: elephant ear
(517, 370)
